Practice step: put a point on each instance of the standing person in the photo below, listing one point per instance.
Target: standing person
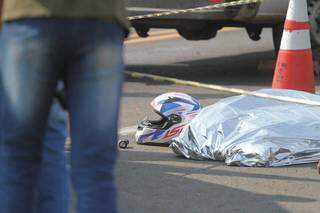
(53, 192)
(79, 41)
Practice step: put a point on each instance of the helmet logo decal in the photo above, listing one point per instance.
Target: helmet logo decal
(174, 131)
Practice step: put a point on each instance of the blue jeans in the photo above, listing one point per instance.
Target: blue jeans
(87, 55)
(52, 191)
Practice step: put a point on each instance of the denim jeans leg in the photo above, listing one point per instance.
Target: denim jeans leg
(28, 78)
(93, 94)
(52, 192)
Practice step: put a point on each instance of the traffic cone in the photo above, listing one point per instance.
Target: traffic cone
(294, 68)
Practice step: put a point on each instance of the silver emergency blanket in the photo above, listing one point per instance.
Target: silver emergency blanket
(251, 131)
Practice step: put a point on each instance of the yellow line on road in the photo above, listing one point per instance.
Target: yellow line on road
(154, 33)
(164, 35)
(156, 38)
(222, 88)
(229, 29)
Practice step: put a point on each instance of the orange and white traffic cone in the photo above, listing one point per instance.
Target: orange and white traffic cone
(294, 68)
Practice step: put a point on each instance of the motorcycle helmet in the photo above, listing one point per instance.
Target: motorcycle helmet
(175, 111)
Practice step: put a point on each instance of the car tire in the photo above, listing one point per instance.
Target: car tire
(203, 31)
(314, 19)
(277, 32)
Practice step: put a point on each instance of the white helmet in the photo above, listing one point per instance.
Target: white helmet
(176, 110)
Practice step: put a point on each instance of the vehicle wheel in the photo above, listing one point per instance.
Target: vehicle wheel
(314, 18)
(142, 32)
(254, 32)
(277, 35)
(195, 34)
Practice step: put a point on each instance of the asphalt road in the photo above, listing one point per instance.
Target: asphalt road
(153, 179)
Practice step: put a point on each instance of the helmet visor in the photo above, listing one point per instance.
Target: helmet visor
(158, 121)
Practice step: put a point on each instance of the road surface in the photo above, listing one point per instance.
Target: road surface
(153, 179)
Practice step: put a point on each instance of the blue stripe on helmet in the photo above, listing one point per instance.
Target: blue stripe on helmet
(168, 106)
(155, 135)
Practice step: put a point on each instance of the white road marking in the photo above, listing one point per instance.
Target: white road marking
(127, 130)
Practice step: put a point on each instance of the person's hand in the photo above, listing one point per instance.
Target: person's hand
(318, 167)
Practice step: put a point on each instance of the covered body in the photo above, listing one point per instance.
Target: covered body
(251, 131)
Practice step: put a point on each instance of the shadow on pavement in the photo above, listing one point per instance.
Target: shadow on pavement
(250, 69)
(148, 183)
(223, 70)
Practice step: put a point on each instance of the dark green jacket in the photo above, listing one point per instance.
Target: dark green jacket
(17, 9)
